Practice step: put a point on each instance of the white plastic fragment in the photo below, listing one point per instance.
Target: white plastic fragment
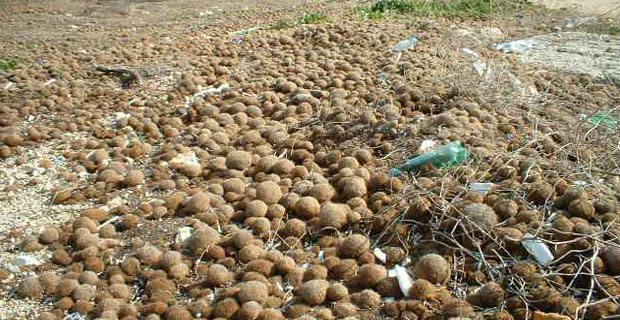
(427, 145)
(405, 281)
(185, 159)
(480, 67)
(74, 316)
(183, 235)
(380, 254)
(204, 93)
(25, 260)
(469, 53)
(405, 44)
(516, 46)
(248, 31)
(111, 220)
(481, 187)
(120, 116)
(538, 249)
(321, 255)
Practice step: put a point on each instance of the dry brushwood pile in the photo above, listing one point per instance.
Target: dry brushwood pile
(250, 180)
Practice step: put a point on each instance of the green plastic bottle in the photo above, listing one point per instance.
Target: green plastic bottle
(445, 156)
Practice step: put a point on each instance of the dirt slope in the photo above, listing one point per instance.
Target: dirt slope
(609, 8)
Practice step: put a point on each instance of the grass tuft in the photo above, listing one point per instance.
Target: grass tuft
(438, 8)
(282, 24)
(314, 18)
(6, 65)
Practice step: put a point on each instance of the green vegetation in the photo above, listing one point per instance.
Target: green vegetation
(439, 8)
(367, 14)
(314, 18)
(58, 72)
(282, 24)
(604, 28)
(6, 65)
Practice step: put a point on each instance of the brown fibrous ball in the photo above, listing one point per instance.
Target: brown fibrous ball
(314, 291)
(30, 288)
(367, 299)
(253, 291)
(433, 268)
(149, 255)
(354, 246)
(333, 215)
(218, 275)
(307, 207)
(269, 192)
(370, 274)
(337, 291)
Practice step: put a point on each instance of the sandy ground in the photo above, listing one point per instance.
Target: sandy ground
(610, 8)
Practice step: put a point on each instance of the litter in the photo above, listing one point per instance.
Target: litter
(405, 44)
(603, 118)
(427, 145)
(479, 66)
(183, 235)
(481, 187)
(538, 249)
(469, 53)
(24, 260)
(185, 159)
(247, 31)
(111, 220)
(405, 281)
(516, 46)
(380, 254)
(448, 155)
(209, 91)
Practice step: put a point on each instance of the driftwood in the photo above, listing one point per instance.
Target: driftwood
(129, 78)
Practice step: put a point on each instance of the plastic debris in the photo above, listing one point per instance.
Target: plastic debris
(405, 44)
(538, 249)
(247, 31)
(481, 187)
(185, 159)
(469, 53)
(516, 46)
(445, 156)
(480, 67)
(120, 116)
(209, 91)
(24, 260)
(405, 281)
(604, 119)
(111, 220)
(380, 255)
(493, 33)
(427, 145)
(74, 316)
(577, 22)
(183, 235)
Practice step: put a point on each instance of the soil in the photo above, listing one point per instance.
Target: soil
(609, 8)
